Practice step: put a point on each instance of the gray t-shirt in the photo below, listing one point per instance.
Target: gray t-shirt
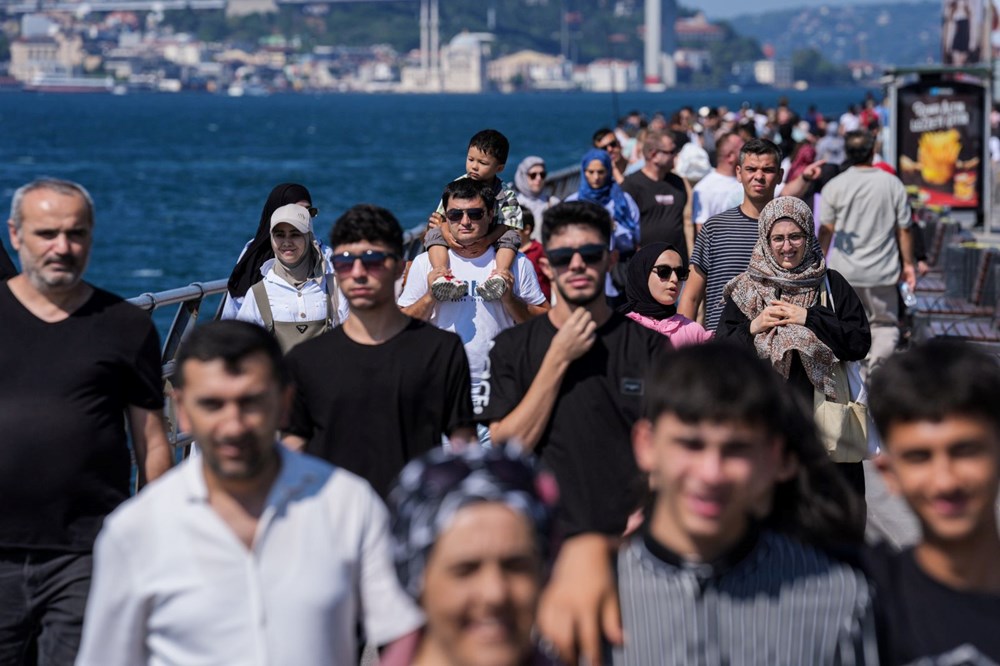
(865, 205)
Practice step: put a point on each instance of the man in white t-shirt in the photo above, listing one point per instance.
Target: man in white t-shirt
(248, 553)
(475, 320)
(720, 190)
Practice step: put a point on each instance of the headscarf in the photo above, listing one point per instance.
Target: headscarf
(637, 283)
(607, 192)
(247, 270)
(537, 204)
(754, 289)
(309, 266)
(431, 489)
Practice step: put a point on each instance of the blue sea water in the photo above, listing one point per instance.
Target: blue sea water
(179, 180)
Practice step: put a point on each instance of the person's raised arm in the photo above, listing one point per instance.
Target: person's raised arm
(798, 186)
(528, 420)
(149, 440)
(693, 293)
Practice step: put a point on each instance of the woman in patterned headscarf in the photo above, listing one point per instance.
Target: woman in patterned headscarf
(471, 537)
(793, 311)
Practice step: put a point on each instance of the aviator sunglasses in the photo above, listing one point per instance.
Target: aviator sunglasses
(455, 214)
(562, 256)
(370, 259)
(664, 272)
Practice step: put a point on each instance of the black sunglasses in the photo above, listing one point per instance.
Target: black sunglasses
(370, 259)
(313, 211)
(562, 256)
(455, 214)
(537, 174)
(609, 144)
(664, 272)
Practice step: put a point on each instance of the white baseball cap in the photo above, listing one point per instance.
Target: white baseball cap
(293, 214)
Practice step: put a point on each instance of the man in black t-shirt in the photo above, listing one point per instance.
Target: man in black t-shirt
(936, 410)
(569, 384)
(663, 197)
(382, 388)
(74, 360)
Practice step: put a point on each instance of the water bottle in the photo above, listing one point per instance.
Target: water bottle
(909, 298)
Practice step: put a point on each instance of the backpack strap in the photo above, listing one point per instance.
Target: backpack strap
(263, 304)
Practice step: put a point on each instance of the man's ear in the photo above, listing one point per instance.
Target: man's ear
(642, 444)
(786, 462)
(15, 240)
(182, 418)
(612, 259)
(883, 463)
(543, 263)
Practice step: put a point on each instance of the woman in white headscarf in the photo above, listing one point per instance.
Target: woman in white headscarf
(529, 180)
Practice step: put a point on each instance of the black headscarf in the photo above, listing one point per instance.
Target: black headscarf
(637, 284)
(247, 271)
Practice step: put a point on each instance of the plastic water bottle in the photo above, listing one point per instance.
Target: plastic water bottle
(909, 298)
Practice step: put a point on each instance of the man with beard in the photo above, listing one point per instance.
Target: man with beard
(569, 385)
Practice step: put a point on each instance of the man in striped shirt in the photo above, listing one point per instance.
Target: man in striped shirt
(733, 563)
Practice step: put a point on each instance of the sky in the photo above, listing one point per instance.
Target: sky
(724, 9)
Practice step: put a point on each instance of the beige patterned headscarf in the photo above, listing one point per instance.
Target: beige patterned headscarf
(754, 289)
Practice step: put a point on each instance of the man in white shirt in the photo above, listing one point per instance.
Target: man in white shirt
(475, 320)
(720, 190)
(247, 554)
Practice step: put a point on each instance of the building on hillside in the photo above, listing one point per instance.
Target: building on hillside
(608, 75)
(530, 70)
(33, 57)
(775, 73)
(463, 62)
(247, 7)
(697, 29)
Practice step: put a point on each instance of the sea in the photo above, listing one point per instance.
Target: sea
(179, 180)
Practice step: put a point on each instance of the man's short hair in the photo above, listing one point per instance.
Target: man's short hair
(651, 143)
(600, 134)
(367, 222)
(933, 381)
(492, 143)
(720, 143)
(721, 381)
(65, 187)
(230, 341)
(468, 188)
(576, 213)
(859, 146)
(760, 147)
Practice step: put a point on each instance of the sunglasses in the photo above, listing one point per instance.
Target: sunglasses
(591, 254)
(313, 211)
(537, 174)
(370, 259)
(664, 272)
(609, 144)
(456, 214)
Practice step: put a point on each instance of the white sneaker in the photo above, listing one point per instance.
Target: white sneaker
(492, 289)
(448, 288)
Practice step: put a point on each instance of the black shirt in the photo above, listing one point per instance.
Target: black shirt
(7, 269)
(661, 208)
(372, 408)
(587, 441)
(64, 387)
(925, 622)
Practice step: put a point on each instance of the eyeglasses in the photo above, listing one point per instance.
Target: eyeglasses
(794, 239)
(664, 272)
(665, 152)
(372, 260)
(456, 214)
(562, 256)
(609, 145)
(537, 174)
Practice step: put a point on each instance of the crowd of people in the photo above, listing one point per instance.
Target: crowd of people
(581, 431)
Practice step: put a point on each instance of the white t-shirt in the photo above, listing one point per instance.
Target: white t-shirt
(476, 321)
(291, 304)
(174, 585)
(715, 193)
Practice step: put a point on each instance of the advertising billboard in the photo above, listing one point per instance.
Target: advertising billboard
(940, 142)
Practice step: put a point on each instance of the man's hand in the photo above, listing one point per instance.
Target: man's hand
(575, 337)
(435, 274)
(508, 277)
(909, 276)
(814, 170)
(579, 606)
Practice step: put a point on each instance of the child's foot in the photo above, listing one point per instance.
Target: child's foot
(492, 288)
(448, 288)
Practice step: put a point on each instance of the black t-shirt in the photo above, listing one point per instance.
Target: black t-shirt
(372, 408)
(922, 621)
(7, 269)
(661, 208)
(64, 387)
(587, 441)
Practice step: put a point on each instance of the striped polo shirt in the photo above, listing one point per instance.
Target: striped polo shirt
(773, 601)
(722, 251)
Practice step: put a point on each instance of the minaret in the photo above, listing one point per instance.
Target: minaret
(654, 49)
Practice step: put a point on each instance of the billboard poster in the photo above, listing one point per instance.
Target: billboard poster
(963, 27)
(940, 142)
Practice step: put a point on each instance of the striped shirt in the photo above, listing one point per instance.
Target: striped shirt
(722, 251)
(774, 602)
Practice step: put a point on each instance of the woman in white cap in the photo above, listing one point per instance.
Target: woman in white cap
(298, 297)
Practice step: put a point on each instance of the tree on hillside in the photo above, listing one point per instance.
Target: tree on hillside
(810, 65)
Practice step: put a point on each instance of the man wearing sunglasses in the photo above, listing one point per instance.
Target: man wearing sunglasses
(569, 385)
(469, 213)
(605, 139)
(375, 393)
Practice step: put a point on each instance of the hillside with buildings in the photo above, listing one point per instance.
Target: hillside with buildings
(260, 46)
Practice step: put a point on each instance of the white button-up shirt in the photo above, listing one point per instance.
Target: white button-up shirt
(174, 585)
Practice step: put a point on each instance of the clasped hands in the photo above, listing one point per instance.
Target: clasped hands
(778, 313)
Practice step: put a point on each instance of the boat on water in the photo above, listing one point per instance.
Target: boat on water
(57, 83)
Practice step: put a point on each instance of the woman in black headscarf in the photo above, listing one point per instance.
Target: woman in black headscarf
(257, 251)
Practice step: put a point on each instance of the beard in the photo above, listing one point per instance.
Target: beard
(582, 299)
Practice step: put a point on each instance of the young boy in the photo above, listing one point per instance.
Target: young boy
(534, 251)
(485, 158)
(936, 408)
(729, 566)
